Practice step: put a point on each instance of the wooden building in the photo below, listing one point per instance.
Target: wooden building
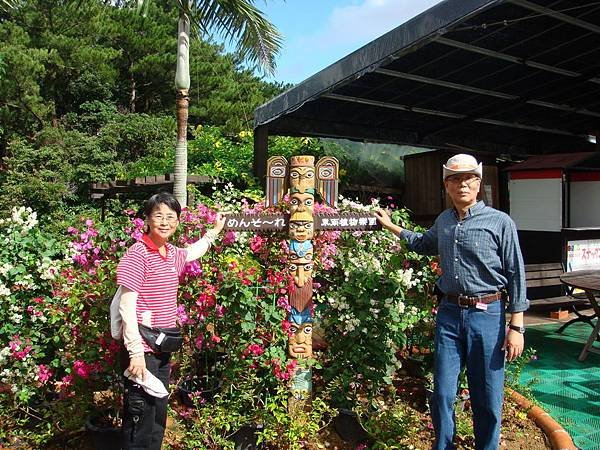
(424, 192)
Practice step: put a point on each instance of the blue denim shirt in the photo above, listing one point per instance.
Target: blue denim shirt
(479, 255)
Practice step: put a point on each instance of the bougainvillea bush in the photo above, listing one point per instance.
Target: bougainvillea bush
(56, 352)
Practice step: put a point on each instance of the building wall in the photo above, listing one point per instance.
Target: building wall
(536, 204)
(584, 203)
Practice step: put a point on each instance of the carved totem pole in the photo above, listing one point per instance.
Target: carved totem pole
(303, 179)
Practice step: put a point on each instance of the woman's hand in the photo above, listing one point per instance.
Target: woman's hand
(219, 223)
(137, 366)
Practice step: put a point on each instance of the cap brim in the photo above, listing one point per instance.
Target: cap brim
(476, 171)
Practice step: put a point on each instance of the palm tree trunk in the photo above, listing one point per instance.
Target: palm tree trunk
(182, 86)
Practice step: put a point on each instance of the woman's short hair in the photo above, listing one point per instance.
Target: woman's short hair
(164, 198)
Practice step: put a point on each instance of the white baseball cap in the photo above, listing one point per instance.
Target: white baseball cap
(462, 163)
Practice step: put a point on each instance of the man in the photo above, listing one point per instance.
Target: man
(482, 272)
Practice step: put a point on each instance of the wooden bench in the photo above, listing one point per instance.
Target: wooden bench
(543, 276)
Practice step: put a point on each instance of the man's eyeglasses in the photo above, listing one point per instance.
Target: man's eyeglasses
(460, 179)
(158, 218)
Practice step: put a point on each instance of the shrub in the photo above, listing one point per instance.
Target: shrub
(233, 301)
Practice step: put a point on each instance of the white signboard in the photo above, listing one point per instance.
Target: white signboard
(536, 204)
(583, 254)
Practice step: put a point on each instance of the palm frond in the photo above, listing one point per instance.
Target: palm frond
(142, 7)
(258, 41)
(7, 5)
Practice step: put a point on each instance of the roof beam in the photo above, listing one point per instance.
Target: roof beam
(306, 126)
(512, 59)
(450, 115)
(557, 15)
(448, 84)
(474, 90)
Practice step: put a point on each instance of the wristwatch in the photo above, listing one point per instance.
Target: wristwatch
(520, 329)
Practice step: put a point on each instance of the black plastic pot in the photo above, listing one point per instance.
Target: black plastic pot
(102, 438)
(245, 437)
(211, 363)
(206, 386)
(414, 366)
(348, 427)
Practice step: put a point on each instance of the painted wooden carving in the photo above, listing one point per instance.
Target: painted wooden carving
(302, 180)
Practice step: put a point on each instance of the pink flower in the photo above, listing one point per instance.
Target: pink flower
(256, 243)
(18, 352)
(286, 374)
(286, 325)
(44, 373)
(284, 303)
(89, 223)
(229, 238)
(81, 368)
(253, 349)
(183, 317)
(64, 385)
(199, 341)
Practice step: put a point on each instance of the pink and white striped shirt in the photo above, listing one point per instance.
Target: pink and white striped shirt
(155, 278)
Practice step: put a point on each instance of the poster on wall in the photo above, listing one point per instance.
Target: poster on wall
(583, 254)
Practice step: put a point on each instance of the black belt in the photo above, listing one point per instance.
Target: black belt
(466, 301)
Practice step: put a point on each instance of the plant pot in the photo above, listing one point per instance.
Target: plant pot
(102, 437)
(211, 363)
(349, 428)
(414, 366)
(245, 437)
(204, 387)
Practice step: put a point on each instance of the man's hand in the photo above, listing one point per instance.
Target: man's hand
(514, 345)
(137, 366)
(383, 218)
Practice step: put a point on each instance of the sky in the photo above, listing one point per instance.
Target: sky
(318, 33)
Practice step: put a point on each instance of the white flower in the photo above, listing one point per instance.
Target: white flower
(4, 291)
(16, 318)
(5, 268)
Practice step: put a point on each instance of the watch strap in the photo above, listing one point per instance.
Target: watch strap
(520, 329)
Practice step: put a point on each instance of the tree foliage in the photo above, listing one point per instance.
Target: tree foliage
(86, 94)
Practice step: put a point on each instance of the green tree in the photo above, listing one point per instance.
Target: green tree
(22, 107)
(84, 68)
(257, 39)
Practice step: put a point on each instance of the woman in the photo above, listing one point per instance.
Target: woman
(148, 275)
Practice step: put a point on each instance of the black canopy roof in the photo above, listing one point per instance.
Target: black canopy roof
(505, 76)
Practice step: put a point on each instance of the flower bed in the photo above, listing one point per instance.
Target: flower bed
(373, 299)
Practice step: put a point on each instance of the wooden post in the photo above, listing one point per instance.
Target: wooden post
(261, 149)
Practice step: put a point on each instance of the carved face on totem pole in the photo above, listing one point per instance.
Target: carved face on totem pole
(301, 231)
(302, 175)
(301, 251)
(301, 271)
(300, 342)
(301, 203)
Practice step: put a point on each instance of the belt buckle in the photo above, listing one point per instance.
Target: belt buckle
(463, 301)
